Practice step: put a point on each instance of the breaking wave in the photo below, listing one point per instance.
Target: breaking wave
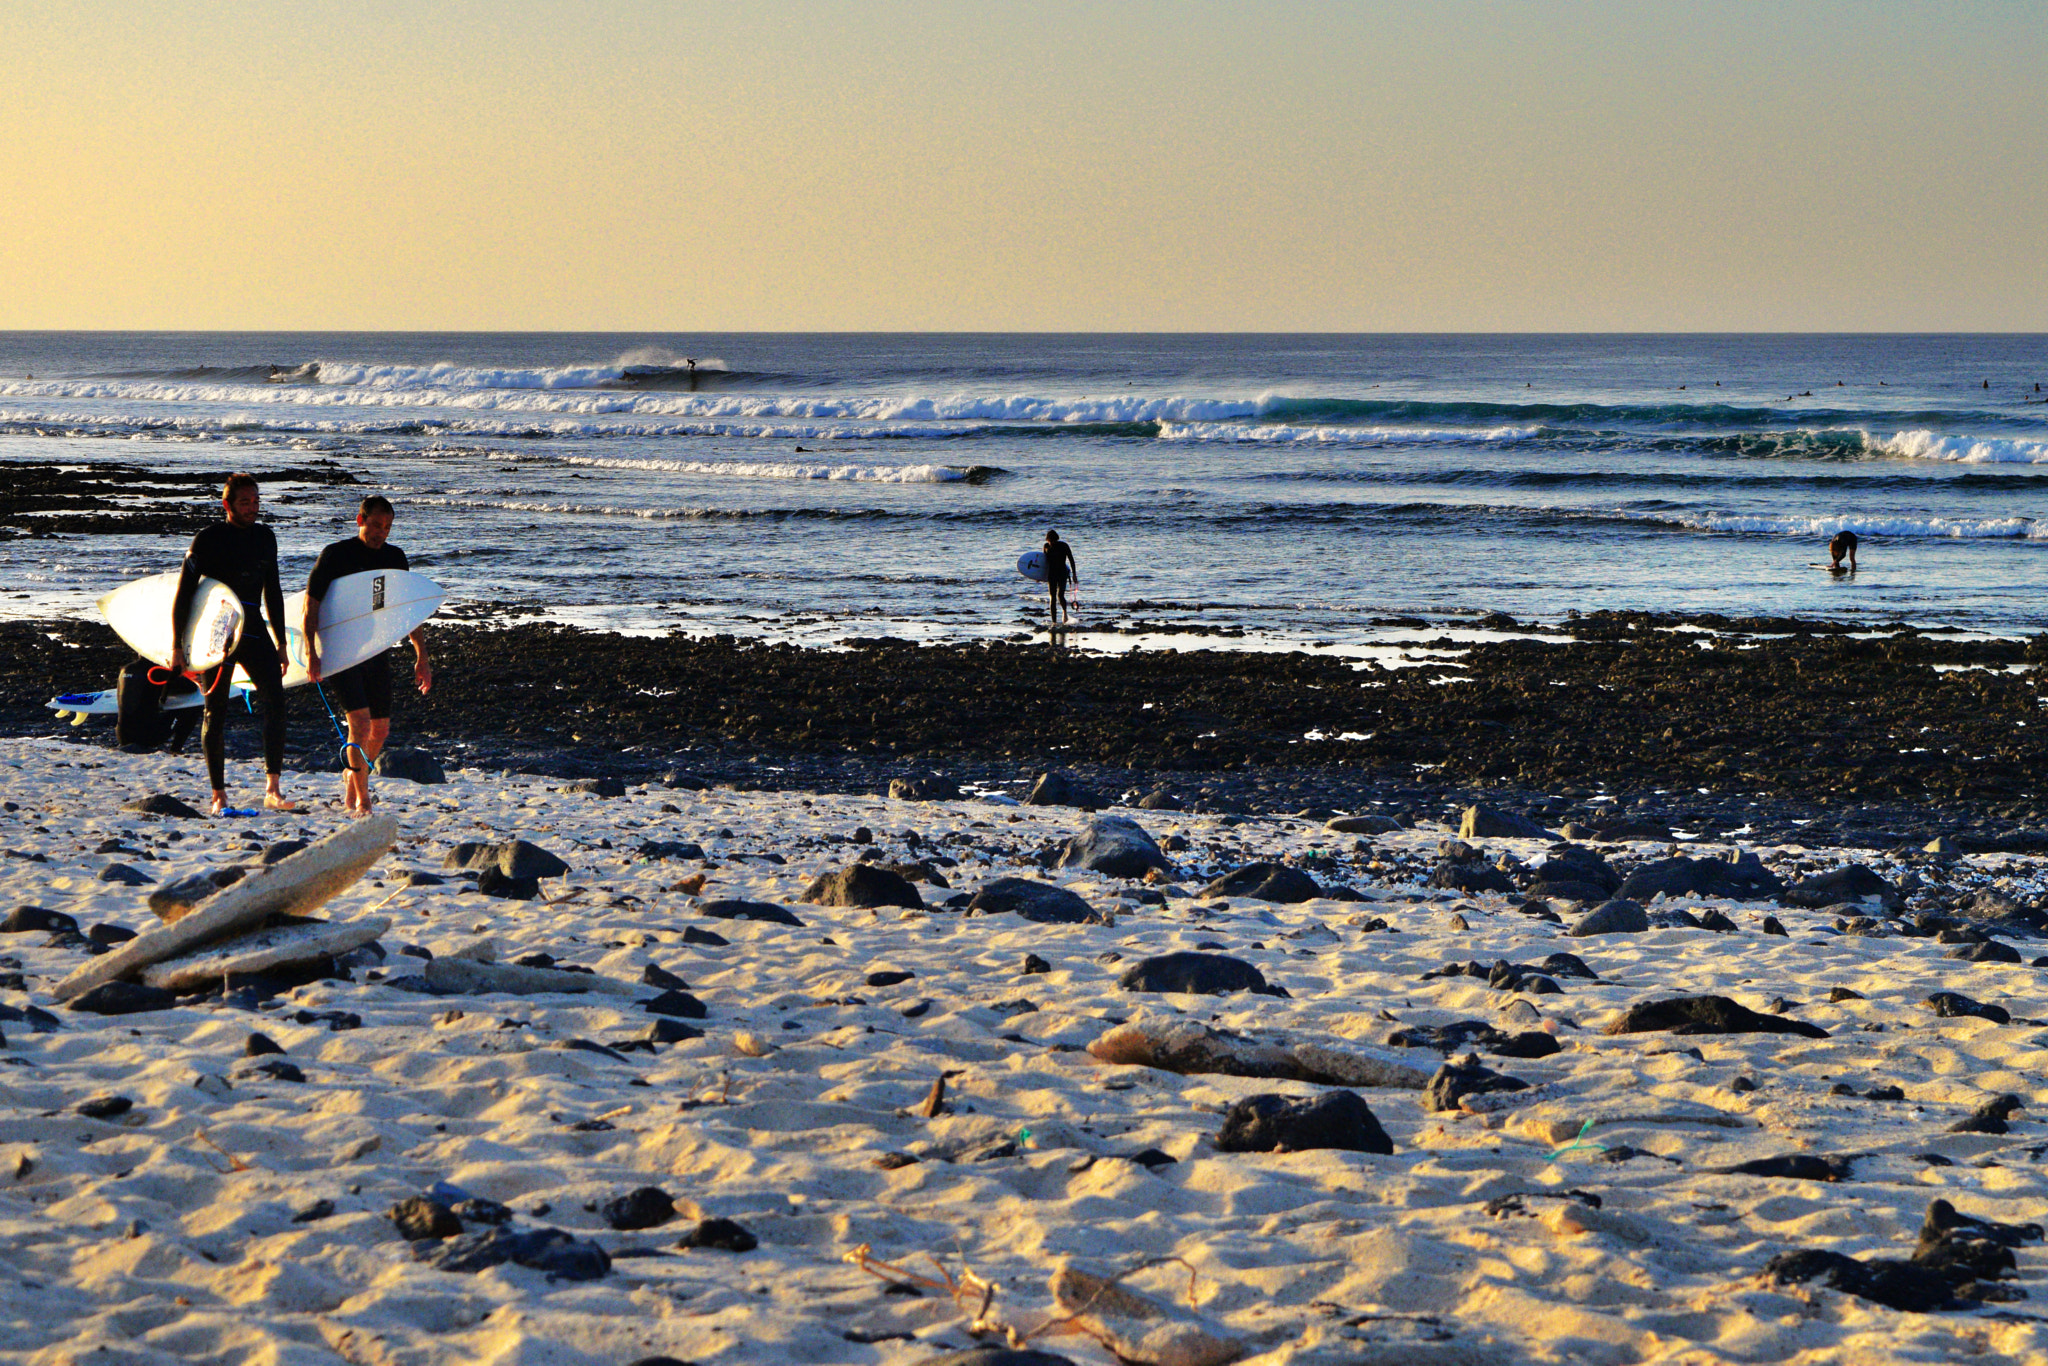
(1947, 528)
(778, 469)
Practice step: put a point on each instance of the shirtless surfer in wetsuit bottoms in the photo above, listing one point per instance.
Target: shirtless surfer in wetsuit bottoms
(365, 690)
(243, 555)
(1059, 570)
(1843, 544)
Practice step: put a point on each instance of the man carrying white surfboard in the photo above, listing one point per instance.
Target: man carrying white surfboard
(241, 553)
(1059, 570)
(365, 689)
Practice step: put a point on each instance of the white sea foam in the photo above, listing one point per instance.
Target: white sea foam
(173, 423)
(1290, 434)
(1954, 528)
(568, 509)
(1967, 450)
(446, 375)
(774, 469)
(570, 401)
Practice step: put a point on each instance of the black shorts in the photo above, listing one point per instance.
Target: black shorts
(368, 684)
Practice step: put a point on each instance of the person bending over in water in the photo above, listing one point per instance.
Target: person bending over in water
(1843, 544)
(1059, 571)
(242, 554)
(365, 690)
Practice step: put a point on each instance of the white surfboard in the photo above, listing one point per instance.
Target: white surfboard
(361, 616)
(1031, 564)
(140, 613)
(106, 702)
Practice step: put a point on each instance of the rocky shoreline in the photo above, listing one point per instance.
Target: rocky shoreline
(1643, 726)
(110, 498)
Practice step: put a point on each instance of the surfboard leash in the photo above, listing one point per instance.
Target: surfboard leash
(340, 734)
(248, 698)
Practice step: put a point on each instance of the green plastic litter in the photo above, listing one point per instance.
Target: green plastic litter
(1579, 1142)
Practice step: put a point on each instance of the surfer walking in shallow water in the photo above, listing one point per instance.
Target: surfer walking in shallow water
(365, 689)
(1059, 571)
(1844, 544)
(242, 554)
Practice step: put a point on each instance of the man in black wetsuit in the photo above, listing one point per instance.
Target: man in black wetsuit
(365, 690)
(1059, 569)
(243, 555)
(1843, 544)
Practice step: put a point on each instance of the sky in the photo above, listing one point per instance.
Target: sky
(987, 166)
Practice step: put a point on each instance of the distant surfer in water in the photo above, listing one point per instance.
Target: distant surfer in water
(1059, 570)
(365, 690)
(243, 555)
(1843, 544)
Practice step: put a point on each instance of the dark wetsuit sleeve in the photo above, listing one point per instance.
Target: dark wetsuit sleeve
(324, 573)
(273, 597)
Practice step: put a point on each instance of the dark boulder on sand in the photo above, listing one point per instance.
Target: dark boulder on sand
(1473, 878)
(1742, 879)
(1361, 825)
(1465, 1077)
(1573, 872)
(862, 884)
(1028, 899)
(1274, 882)
(543, 1249)
(492, 882)
(513, 858)
(1201, 974)
(163, 804)
(1706, 1015)
(1887, 1281)
(764, 912)
(1990, 1117)
(1953, 1005)
(1483, 822)
(725, 1235)
(1852, 883)
(646, 1207)
(1619, 916)
(411, 765)
(420, 1217)
(1117, 846)
(36, 920)
(123, 998)
(1990, 909)
(1274, 1123)
(931, 787)
(1058, 788)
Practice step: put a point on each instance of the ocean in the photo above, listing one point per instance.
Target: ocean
(1262, 491)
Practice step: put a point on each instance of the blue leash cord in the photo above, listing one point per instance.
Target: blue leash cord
(340, 734)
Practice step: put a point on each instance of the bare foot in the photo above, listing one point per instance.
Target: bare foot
(220, 802)
(276, 802)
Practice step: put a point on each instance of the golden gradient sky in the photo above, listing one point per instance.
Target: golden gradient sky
(1043, 166)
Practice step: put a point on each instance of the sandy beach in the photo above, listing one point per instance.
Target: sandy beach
(232, 1214)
